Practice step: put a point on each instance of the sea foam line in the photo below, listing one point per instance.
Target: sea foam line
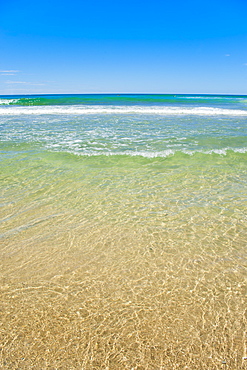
(153, 154)
(98, 109)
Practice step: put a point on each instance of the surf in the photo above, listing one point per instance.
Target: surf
(120, 110)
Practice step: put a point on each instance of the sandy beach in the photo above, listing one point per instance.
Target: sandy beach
(123, 237)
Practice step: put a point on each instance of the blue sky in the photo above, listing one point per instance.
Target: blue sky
(129, 46)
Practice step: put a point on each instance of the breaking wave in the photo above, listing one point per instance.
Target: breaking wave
(126, 109)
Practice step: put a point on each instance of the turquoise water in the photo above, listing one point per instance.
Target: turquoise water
(146, 125)
(149, 151)
(232, 101)
(143, 197)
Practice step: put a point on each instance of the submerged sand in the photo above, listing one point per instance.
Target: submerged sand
(110, 297)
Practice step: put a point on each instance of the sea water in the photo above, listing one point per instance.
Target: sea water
(123, 231)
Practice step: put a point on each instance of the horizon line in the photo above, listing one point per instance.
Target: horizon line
(123, 93)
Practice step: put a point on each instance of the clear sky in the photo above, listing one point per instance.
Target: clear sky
(154, 46)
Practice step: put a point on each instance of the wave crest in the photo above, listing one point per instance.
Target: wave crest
(98, 109)
(159, 154)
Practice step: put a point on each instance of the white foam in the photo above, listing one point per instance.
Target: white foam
(7, 101)
(149, 154)
(98, 109)
(141, 153)
(224, 151)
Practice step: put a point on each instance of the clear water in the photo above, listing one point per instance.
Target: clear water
(135, 207)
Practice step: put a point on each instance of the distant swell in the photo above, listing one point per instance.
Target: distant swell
(94, 109)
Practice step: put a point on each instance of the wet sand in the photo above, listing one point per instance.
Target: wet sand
(80, 296)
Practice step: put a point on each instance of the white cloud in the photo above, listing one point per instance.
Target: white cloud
(227, 55)
(23, 82)
(8, 72)
(15, 82)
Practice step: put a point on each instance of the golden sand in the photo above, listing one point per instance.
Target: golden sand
(119, 297)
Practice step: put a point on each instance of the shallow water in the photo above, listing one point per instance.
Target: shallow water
(123, 232)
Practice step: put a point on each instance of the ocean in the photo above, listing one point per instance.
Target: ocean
(123, 231)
